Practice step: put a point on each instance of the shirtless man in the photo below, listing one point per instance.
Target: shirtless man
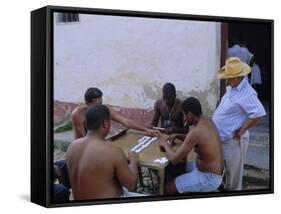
(206, 174)
(93, 97)
(168, 111)
(96, 168)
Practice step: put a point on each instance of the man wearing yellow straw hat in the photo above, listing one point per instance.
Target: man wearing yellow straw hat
(238, 111)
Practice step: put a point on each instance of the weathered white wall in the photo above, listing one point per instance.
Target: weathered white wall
(130, 59)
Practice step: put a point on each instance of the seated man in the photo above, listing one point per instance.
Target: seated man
(93, 97)
(168, 110)
(206, 174)
(96, 168)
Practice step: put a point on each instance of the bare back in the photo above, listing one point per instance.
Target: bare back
(91, 166)
(79, 121)
(208, 147)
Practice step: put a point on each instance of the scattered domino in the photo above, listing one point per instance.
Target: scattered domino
(162, 160)
(143, 143)
(143, 139)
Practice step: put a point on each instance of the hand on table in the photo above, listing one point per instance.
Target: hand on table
(171, 138)
(163, 145)
(155, 133)
(169, 130)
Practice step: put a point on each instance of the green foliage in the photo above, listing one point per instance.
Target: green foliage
(66, 126)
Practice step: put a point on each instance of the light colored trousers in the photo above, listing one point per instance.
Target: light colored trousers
(127, 194)
(235, 157)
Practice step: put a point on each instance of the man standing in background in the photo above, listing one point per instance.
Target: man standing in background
(238, 111)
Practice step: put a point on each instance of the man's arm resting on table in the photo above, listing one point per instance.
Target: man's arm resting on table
(173, 137)
(131, 123)
(181, 153)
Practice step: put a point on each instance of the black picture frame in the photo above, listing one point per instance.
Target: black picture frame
(42, 103)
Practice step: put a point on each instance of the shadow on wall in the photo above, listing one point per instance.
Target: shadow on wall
(62, 112)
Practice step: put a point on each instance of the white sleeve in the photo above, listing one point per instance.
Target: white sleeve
(252, 106)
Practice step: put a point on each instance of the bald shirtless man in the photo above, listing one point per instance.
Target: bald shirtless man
(204, 175)
(96, 168)
(93, 97)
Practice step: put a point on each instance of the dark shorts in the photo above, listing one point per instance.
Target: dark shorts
(60, 193)
(63, 168)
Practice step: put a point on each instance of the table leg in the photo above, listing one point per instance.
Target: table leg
(161, 173)
(140, 176)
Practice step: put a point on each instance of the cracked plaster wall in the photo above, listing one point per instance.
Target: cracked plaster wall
(131, 58)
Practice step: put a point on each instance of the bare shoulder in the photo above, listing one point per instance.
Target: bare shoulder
(208, 123)
(80, 109)
(75, 144)
(78, 112)
(198, 131)
(193, 133)
(158, 103)
(111, 109)
(113, 112)
(205, 123)
(206, 128)
(116, 152)
(73, 149)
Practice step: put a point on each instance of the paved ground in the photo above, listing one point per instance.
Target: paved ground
(258, 151)
(66, 137)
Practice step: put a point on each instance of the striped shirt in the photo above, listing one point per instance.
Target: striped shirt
(236, 107)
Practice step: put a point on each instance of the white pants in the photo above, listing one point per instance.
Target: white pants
(127, 194)
(235, 157)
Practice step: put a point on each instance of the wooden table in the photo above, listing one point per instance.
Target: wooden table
(148, 155)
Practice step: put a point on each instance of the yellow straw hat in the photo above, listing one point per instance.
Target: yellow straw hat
(234, 68)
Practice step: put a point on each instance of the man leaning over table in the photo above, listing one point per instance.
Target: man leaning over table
(205, 174)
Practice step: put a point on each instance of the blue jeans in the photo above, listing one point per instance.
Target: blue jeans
(60, 193)
(197, 181)
(63, 168)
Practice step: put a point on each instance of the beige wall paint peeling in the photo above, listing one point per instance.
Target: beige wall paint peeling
(130, 59)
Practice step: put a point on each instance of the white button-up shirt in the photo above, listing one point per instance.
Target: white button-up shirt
(236, 107)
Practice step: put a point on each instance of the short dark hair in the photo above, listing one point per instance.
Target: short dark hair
(92, 93)
(192, 105)
(95, 116)
(169, 88)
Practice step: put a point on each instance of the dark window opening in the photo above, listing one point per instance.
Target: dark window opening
(67, 17)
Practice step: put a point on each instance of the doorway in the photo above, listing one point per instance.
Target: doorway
(257, 38)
